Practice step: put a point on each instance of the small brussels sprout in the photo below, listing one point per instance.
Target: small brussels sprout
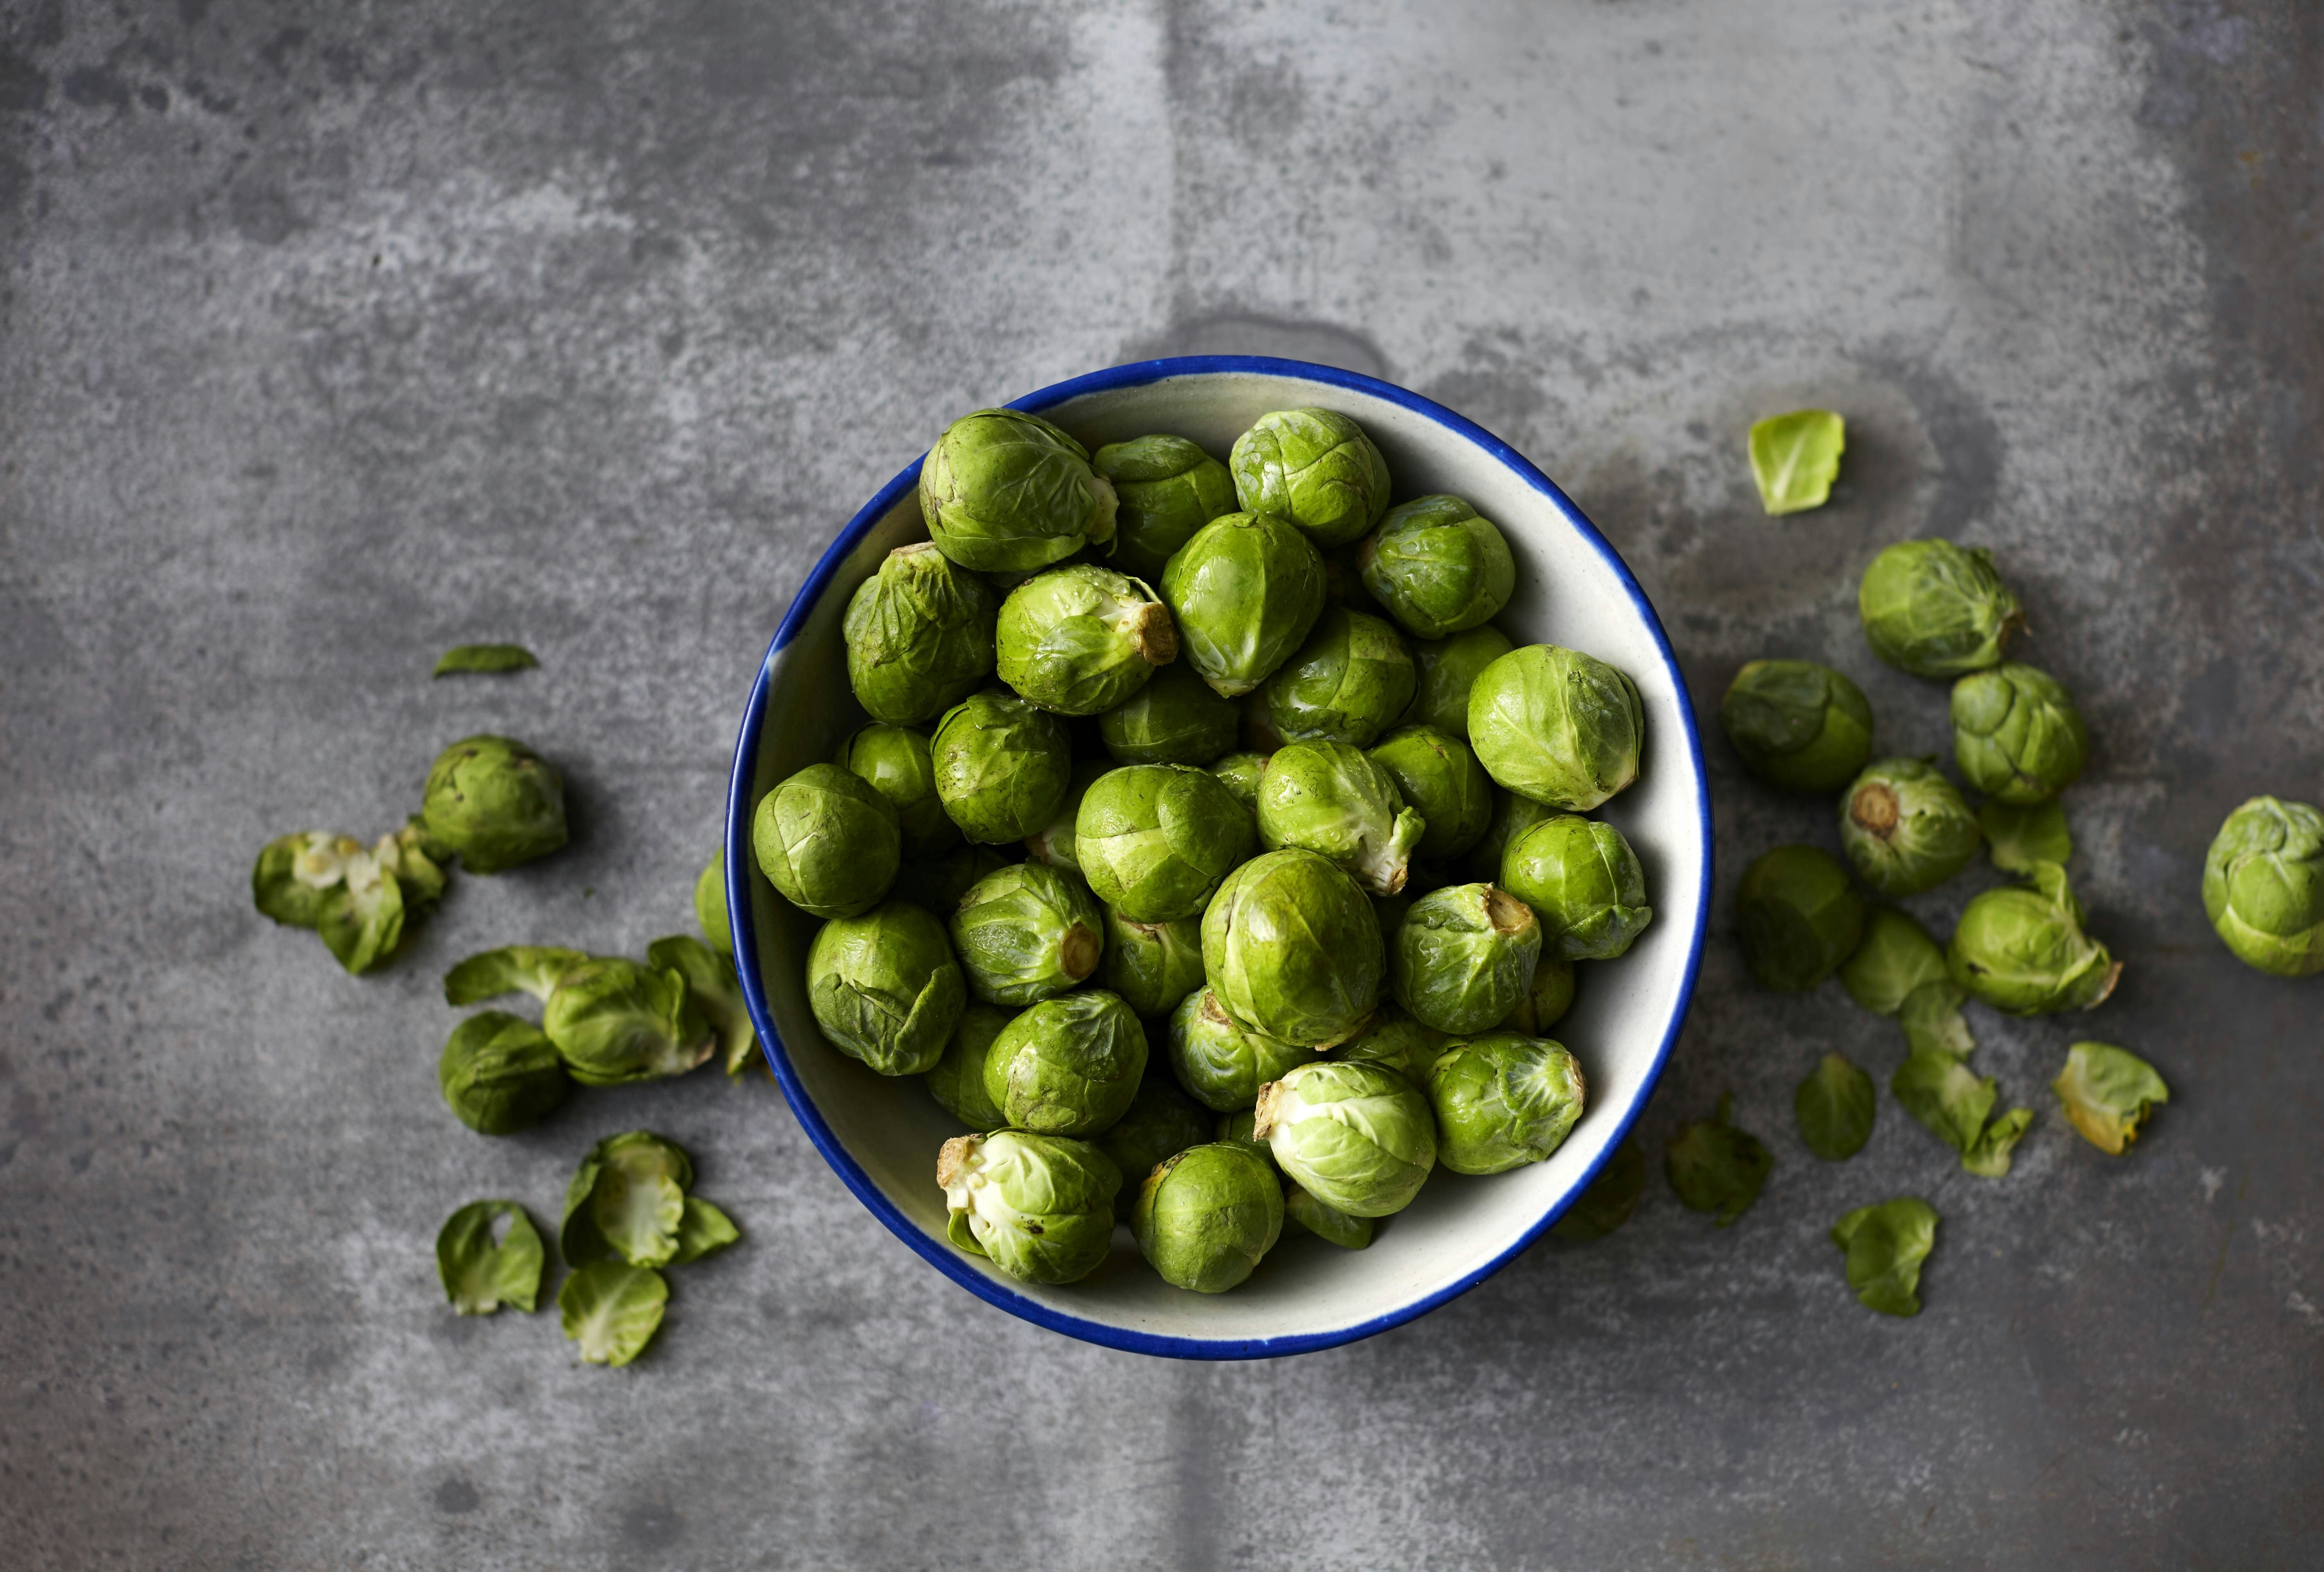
(1155, 839)
(1895, 956)
(827, 841)
(1834, 1106)
(1025, 933)
(1219, 1062)
(1444, 783)
(1006, 491)
(1932, 609)
(1798, 724)
(1905, 827)
(1315, 467)
(1503, 1101)
(1162, 1122)
(500, 1074)
(615, 1022)
(712, 986)
(1244, 593)
(1003, 767)
(1395, 1041)
(480, 1276)
(2017, 737)
(1167, 488)
(920, 636)
(1796, 457)
(1176, 719)
(956, 1081)
(1610, 1198)
(1206, 1215)
(1082, 639)
(495, 802)
(1717, 1166)
(1329, 1224)
(894, 761)
(1040, 1207)
(1447, 669)
(2264, 886)
(1513, 815)
(1330, 798)
(1357, 1137)
(1798, 917)
(936, 887)
(885, 989)
(1152, 965)
(710, 905)
(1884, 1246)
(1585, 883)
(1463, 957)
(1438, 566)
(1347, 684)
(2108, 1092)
(1545, 1001)
(2022, 950)
(1068, 1066)
(1240, 773)
(1557, 726)
(1291, 948)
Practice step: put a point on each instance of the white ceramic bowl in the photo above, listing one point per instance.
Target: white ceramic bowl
(881, 1135)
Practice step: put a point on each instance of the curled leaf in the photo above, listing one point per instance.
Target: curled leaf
(481, 1275)
(711, 983)
(2017, 838)
(533, 969)
(1834, 1105)
(2108, 1092)
(1884, 1246)
(1989, 1157)
(611, 1310)
(484, 657)
(704, 1230)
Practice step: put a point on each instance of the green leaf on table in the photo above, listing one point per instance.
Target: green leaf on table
(1895, 957)
(1989, 1157)
(1796, 457)
(1716, 1167)
(484, 657)
(1945, 1095)
(2108, 1092)
(2018, 838)
(480, 1274)
(362, 921)
(532, 968)
(1611, 1197)
(1884, 1246)
(1834, 1105)
(711, 983)
(704, 1230)
(633, 1153)
(1932, 1022)
(611, 1310)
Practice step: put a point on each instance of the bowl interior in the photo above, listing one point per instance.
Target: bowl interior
(881, 1135)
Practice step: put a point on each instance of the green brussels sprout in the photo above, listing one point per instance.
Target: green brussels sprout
(495, 801)
(1932, 609)
(1240, 773)
(1162, 1122)
(894, 760)
(1027, 933)
(1545, 1001)
(1895, 956)
(1315, 467)
(1798, 917)
(1244, 593)
(1513, 815)
(1394, 1041)
(615, 1022)
(712, 986)
(1798, 724)
(1219, 1062)
(885, 989)
(1905, 827)
(1040, 1207)
(1585, 883)
(1610, 1198)
(1715, 1165)
(1081, 639)
(2264, 886)
(1463, 957)
(1152, 965)
(1446, 669)
(1330, 798)
(827, 841)
(2017, 737)
(1006, 491)
(936, 887)
(2022, 950)
(1167, 488)
(1053, 843)
(1068, 1066)
(920, 636)
(1357, 1137)
(1347, 684)
(1292, 949)
(1003, 767)
(500, 1074)
(1155, 839)
(2108, 1092)
(1329, 1224)
(710, 905)
(1438, 566)
(1556, 726)
(1445, 785)
(1176, 719)
(480, 1276)
(956, 1081)
(1503, 1101)
(1205, 1216)
(1884, 1246)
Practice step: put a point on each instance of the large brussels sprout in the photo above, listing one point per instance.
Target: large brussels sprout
(827, 841)
(894, 760)
(1082, 639)
(1167, 488)
(936, 887)
(1240, 773)
(1443, 782)
(1315, 467)
(2264, 886)
(1176, 719)
(1438, 566)
(1934, 610)
(1357, 1137)
(1798, 724)
(1003, 767)
(1162, 1122)
(1329, 1224)
(1463, 957)
(2022, 949)
(1006, 491)
(1394, 1041)
(1798, 917)
(1546, 998)
(1513, 815)
(1152, 965)
(1205, 1216)
(2017, 737)
(1040, 1207)
(956, 1081)
(920, 636)
(1027, 933)
(1347, 684)
(1154, 840)
(615, 1022)
(1053, 843)
(710, 905)
(1291, 948)
(1585, 883)
(1244, 593)
(885, 989)
(495, 801)
(1895, 957)
(1068, 1066)
(500, 1073)
(1219, 1062)
(1905, 827)
(1447, 669)
(1557, 726)
(1502, 1101)
(1330, 798)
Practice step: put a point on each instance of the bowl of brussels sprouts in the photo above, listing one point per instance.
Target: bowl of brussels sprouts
(1218, 853)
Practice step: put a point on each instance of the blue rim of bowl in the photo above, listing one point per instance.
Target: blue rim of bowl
(942, 1255)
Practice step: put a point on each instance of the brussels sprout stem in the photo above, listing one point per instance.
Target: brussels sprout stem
(1874, 809)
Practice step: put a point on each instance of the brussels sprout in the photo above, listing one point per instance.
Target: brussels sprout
(2017, 737)
(1513, 815)
(885, 989)
(1610, 1198)
(1934, 610)
(1162, 1122)
(956, 1081)
(625, 1201)
(1717, 1166)
(1357, 1137)
(2106, 1093)
(1545, 1001)
(1503, 1101)
(1291, 948)
(1329, 1224)
(919, 635)
(1315, 467)
(1895, 956)
(1438, 566)
(1952, 1102)
(1068, 1066)
(1447, 669)
(711, 984)
(1556, 726)
(1884, 1246)
(1155, 839)
(1445, 785)
(1176, 719)
(1002, 767)
(710, 905)
(1796, 457)
(1167, 488)
(1834, 1106)
(1006, 491)
(500, 1074)
(1082, 639)
(1330, 798)
(480, 1276)
(1463, 957)
(1040, 1207)
(938, 886)
(1798, 917)
(1905, 827)
(2022, 950)
(611, 1310)
(615, 1022)
(827, 841)
(1025, 933)
(1053, 843)
(2017, 838)
(1585, 883)
(894, 760)
(495, 801)
(1347, 684)
(1798, 724)
(1240, 773)
(1219, 1061)
(1394, 1041)
(1152, 965)
(1243, 592)
(2264, 886)
(1206, 1215)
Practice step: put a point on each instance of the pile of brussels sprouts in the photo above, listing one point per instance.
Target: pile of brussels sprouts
(1205, 838)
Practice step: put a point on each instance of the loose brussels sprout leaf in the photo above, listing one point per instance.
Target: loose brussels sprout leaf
(419, 863)
(920, 636)
(2017, 838)
(1716, 1167)
(1040, 1207)
(1465, 957)
(1006, 491)
(1557, 726)
(495, 801)
(1003, 767)
(1798, 724)
(2022, 950)
(1905, 827)
(1292, 949)
(1243, 594)
(1884, 1246)
(710, 905)
(1330, 799)
(893, 761)
(638, 1155)
(1503, 1101)
(1081, 639)
(1610, 1198)
(2263, 886)
(703, 1230)
(1990, 1158)
(1152, 965)
(1162, 1122)
(711, 984)
(295, 872)
(2108, 1092)
(1796, 457)
(885, 989)
(1347, 684)
(362, 921)
(1329, 1224)
(533, 969)
(1355, 1136)
(1155, 839)
(1443, 782)
(1895, 957)
(1205, 1216)
(481, 1275)
(2017, 737)
(1947, 1097)
(1834, 1106)
(1175, 718)
(500, 1074)
(1315, 467)
(1166, 488)
(1798, 917)
(1394, 1041)
(611, 1310)
(1027, 933)
(1931, 1018)
(1583, 882)
(1068, 1066)
(1447, 669)
(484, 657)
(827, 841)
(637, 1214)
(615, 1022)
(956, 1081)
(1932, 609)
(1437, 566)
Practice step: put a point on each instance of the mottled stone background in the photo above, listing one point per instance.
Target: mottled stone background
(336, 334)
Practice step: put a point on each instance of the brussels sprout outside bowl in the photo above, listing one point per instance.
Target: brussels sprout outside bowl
(1572, 589)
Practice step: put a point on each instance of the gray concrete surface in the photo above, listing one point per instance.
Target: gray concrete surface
(332, 334)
